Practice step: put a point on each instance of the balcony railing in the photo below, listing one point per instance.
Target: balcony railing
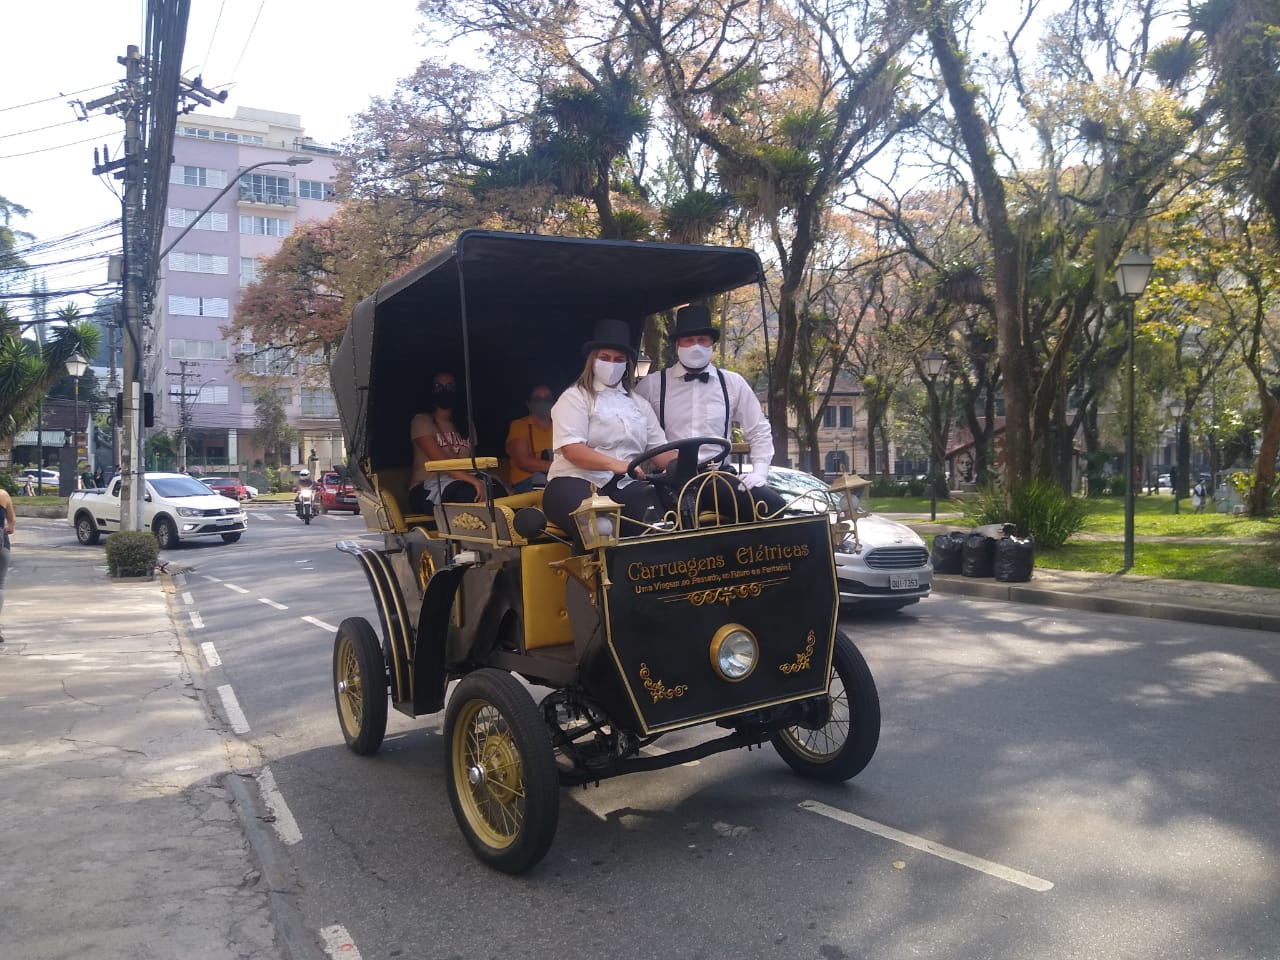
(275, 198)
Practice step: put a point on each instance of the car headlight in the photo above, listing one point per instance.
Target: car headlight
(189, 512)
(734, 652)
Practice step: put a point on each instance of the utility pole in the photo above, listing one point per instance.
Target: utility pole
(184, 410)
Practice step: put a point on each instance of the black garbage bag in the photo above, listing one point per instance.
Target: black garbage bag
(947, 548)
(1015, 558)
(978, 557)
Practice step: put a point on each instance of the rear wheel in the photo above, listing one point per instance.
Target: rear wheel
(360, 685)
(840, 748)
(86, 529)
(503, 785)
(166, 533)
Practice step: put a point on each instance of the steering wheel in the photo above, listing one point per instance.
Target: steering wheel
(687, 462)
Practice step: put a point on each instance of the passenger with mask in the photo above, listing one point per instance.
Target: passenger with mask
(529, 442)
(597, 428)
(695, 398)
(441, 433)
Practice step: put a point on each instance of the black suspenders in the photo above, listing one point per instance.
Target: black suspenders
(662, 400)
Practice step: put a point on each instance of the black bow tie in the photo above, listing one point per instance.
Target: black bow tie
(704, 376)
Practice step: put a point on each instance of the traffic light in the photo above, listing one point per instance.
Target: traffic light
(148, 409)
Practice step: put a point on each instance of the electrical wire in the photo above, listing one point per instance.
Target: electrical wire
(32, 103)
(23, 133)
(61, 146)
(216, 23)
(252, 28)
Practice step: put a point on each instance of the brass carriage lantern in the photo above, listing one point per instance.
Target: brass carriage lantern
(846, 488)
(599, 521)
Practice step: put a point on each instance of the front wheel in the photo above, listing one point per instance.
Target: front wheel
(840, 748)
(86, 529)
(306, 517)
(231, 537)
(502, 777)
(360, 685)
(166, 534)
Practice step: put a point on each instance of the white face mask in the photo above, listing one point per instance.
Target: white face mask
(607, 372)
(695, 357)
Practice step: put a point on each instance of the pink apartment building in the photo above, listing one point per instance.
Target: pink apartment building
(204, 385)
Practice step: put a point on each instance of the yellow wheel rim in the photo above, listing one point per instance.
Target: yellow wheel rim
(350, 686)
(488, 774)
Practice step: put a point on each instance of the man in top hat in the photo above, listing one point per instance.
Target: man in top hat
(695, 398)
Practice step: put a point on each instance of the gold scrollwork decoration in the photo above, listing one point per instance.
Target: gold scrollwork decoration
(659, 690)
(426, 568)
(804, 659)
(469, 521)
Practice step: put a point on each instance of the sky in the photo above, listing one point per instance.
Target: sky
(321, 59)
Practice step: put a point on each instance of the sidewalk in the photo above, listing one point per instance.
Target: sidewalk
(118, 837)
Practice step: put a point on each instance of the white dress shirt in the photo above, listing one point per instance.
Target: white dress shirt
(611, 423)
(696, 409)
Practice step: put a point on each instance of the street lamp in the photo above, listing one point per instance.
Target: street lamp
(1176, 408)
(1132, 273)
(76, 366)
(934, 363)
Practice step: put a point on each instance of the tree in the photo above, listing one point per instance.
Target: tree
(28, 369)
(271, 431)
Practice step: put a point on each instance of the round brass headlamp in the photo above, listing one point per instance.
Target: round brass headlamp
(734, 652)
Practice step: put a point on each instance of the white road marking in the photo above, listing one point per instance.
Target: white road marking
(272, 603)
(320, 623)
(196, 622)
(232, 586)
(187, 599)
(239, 722)
(999, 871)
(210, 655)
(213, 579)
(282, 817)
(338, 943)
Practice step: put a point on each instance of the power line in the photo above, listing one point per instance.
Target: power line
(31, 153)
(252, 28)
(51, 126)
(32, 103)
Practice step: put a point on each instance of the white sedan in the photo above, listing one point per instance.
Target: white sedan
(886, 567)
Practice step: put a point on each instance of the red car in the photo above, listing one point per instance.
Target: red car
(227, 486)
(337, 493)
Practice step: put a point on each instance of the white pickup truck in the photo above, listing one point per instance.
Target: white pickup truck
(175, 507)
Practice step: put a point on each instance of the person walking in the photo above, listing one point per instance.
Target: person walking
(1198, 496)
(10, 515)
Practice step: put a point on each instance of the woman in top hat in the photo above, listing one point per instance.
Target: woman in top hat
(597, 427)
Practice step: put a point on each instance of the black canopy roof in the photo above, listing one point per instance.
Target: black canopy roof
(502, 312)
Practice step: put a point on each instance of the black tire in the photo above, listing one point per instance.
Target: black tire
(844, 745)
(501, 771)
(306, 517)
(166, 534)
(231, 537)
(360, 685)
(87, 529)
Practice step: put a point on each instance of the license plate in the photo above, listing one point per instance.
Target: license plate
(903, 581)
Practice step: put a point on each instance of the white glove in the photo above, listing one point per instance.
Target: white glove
(757, 477)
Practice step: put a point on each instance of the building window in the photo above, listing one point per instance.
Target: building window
(178, 217)
(198, 349)
(224, 136)
(846, 415)
(198, 263)
(268, 361)
(198, 176)
(837, 461)
(314, 190)
(829, 417)
(206, 393)
(248, 270)
(264, 226)
(199, 306)
(319, 403)
(265, 188)
(249, 394)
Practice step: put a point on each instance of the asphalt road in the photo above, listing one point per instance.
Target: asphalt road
(1049, 783)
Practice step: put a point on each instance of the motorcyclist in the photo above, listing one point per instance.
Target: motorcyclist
(304, 483)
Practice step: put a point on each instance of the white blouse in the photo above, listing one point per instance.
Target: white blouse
(609, 422)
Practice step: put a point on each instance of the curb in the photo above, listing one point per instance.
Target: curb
(1095, 602)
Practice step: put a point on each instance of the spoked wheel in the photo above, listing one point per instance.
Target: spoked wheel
(840, 748)
(360, 685)
(502, 774)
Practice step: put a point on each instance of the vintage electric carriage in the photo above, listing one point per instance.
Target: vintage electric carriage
(707, 619)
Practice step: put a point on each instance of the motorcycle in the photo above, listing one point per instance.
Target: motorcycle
(305, 505)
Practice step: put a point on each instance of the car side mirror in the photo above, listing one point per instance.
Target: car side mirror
(146, 497)
(529, 522)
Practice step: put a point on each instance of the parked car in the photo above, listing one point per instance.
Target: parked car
(338, 493)
(50, 477)
(886, 567)
(228, 487)
(175, 508)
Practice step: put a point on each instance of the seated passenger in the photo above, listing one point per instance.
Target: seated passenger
(441, 434)
(598, 427)
(529, 442)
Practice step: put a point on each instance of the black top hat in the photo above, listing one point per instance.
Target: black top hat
(694, 321)
(611, 333)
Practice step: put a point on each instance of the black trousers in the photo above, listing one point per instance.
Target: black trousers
(563, 495)
(716, 493)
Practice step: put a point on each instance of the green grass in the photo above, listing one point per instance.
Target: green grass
(1251, 565)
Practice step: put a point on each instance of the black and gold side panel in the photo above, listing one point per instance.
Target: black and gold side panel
(672, 598)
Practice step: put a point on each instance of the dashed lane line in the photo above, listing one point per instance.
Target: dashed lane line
(316, 622)
(285, 825)
(196, 622)
(212, 579)
(239, 722)
(338, 943)
(232, 586)
(272, 603)
(210, 654)
(992, 869)
(187, 598)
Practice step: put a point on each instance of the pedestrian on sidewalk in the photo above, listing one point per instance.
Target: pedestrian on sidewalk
(1198, 495)
(10, 515)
